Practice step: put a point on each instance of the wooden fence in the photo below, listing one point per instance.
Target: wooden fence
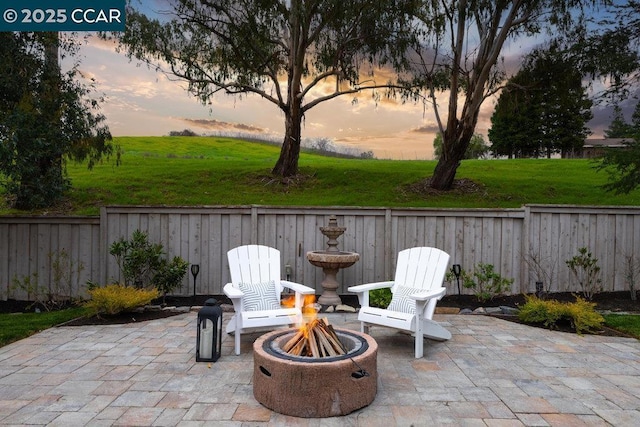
(40, 255)
(526, 244)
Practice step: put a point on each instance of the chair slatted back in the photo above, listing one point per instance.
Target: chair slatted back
(421, 267)
(254, 264)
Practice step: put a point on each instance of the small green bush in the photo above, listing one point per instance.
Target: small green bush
(586, 270)
(580, 314)
(137, 258)
(169, 275)
(380, 297)
(116, 298)
(485, 282)
(142, 263)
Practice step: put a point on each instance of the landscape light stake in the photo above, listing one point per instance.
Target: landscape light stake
(457, 270)
(195, 269)
(539, 289)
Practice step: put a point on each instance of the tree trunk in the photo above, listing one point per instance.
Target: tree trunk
(444, 173)
(455, 142)
(287, 164)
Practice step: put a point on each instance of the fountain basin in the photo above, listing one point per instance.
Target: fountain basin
(332, 259)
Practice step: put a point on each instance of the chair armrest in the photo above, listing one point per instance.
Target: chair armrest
(434, 293)
(232, 292)
(297, 287)
(370, 286)
(363, 290)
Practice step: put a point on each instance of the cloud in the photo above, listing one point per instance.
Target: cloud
(212, 124)
(430, 128)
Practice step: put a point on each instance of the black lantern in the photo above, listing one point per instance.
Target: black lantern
(457, 270)
(195, 268)
(209, 337)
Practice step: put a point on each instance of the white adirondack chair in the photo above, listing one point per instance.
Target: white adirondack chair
(256, 289)
(416, 289)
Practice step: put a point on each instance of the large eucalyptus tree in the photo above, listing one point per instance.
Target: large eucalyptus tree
(461, 55)
(295, 54)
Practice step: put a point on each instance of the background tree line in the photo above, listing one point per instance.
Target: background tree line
(543, 109)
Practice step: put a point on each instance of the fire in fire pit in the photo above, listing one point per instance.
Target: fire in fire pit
(316, 338)
(315, 371)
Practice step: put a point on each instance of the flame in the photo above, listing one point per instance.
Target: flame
(289, 301)
(310, 308)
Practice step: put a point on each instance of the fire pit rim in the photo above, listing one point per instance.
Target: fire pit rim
(267, 346)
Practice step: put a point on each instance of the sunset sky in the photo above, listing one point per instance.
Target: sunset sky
(143, 102)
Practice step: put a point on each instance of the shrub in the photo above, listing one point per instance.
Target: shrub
(586, 270)
(380, 297)
(581, 314)
(56, 294)
(141, 263)
(137, 258)
(169, 275)
(116, 298)
(485, 282)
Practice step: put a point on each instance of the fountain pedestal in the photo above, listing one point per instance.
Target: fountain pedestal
(331, 261)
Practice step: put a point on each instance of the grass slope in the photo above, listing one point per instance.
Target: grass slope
(226, 171)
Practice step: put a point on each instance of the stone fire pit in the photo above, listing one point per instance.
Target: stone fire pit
(315, 387)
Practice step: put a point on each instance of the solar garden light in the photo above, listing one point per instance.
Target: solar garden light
(195, 269)
(539, 289)
(209, 336)
(457, 271)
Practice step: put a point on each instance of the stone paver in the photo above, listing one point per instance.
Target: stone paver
(491, 373)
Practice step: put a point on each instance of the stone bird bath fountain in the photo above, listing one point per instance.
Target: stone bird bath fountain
(331, 260)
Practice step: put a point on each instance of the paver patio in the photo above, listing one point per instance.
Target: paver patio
(491, 373)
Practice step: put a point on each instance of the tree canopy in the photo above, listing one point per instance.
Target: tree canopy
(610, 48)
(542, 110)
(618, 128)
(623, 165)
(477, 149)
(294, 54)
(612, 52)
(46, 118)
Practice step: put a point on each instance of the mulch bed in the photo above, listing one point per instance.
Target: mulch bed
(609, 301)
(605, 301)
(563, 327)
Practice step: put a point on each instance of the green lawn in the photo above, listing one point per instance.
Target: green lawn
(226, 171)
(629, 324)
(14, 327)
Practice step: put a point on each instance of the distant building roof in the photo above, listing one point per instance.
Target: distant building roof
(606, 142)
